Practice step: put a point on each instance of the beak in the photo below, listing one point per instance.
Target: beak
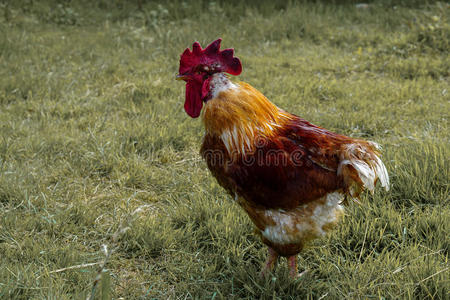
(181, 77)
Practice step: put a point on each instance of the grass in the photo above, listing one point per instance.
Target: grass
(95, 148)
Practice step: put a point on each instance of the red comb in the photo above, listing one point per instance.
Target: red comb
(211, 56)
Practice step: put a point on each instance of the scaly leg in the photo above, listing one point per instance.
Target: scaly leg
(292, 263)
(270, 263)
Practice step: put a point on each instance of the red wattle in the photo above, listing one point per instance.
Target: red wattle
(193, 104)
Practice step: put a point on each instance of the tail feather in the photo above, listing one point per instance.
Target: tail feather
(361, 167)
(382, 173)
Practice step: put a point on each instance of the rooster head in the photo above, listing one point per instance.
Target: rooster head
(197, 67)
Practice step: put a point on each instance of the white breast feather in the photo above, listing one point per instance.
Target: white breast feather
(292, 226)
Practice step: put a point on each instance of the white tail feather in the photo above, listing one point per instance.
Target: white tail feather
(382, 173)
(366, 163)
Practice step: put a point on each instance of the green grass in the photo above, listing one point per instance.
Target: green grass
(96, 149)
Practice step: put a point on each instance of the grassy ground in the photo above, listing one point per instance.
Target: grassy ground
(95, 148)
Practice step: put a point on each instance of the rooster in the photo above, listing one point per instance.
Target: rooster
(290, 176)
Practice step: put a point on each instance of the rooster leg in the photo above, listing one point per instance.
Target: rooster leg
(292, 263)
(270, 263)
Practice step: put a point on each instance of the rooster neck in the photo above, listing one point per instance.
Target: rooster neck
(220, 83)
(240, 115)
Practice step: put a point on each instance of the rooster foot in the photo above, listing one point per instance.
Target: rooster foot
(292, 263)
(270, 263)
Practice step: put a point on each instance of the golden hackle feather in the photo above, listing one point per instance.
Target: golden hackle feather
(241, 114)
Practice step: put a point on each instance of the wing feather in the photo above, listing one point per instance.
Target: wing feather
(299, 164)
